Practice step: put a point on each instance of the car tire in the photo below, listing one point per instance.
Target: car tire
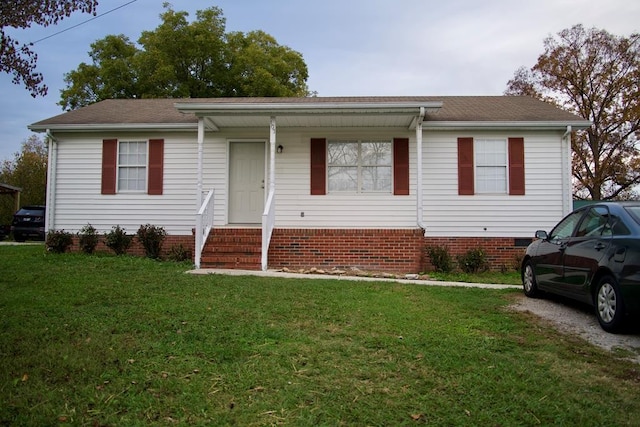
(19, 238)
(609, 305)
(529, 282)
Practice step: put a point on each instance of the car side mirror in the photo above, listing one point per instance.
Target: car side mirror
(541, 234)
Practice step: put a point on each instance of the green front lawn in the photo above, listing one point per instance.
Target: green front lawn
(105, 340)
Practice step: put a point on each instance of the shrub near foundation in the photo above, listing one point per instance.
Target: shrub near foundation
(117, 240)
(58, 241)
(88, 239)
(473, 261)
(440, 258)
(151, 238)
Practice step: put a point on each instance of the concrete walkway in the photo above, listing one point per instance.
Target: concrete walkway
(274, 273)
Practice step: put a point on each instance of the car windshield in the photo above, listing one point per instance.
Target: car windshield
(634, 211)
(31, 212)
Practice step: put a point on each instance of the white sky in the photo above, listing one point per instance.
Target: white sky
(351, 47)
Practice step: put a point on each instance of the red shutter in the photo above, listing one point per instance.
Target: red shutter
(401, 166)
(318, 166)
(465, 167)
(109, 163)
(516, 166)
(156, 164)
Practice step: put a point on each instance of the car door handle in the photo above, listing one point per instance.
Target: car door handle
(599, 246)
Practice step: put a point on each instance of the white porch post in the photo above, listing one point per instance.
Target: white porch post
(419, 207)
(200, 161)
(272, 154)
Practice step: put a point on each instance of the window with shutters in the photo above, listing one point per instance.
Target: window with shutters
(491, 165)
(132, 166)
(359, 166)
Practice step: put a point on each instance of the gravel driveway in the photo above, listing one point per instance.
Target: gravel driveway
(573, 318)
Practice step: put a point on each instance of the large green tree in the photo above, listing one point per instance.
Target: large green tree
(596, 75)
(28, 171)
(186, 59)
(18, 58)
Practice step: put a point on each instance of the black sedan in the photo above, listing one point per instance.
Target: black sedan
(593, 256)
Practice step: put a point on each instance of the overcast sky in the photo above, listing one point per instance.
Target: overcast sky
(351, 47)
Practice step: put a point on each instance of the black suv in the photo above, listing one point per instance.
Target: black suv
(28, 222)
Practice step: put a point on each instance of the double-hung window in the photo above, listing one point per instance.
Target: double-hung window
(359, 166)
(491, 165)
(132, 166)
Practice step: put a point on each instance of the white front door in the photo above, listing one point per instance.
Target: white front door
(246, 182)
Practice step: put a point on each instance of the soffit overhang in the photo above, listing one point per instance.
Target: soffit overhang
(218, 116)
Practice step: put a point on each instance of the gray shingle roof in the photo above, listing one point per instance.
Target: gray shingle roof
(454, 109)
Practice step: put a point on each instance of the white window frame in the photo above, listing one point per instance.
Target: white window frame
(491, 166)
(143, 167)
(360, 166)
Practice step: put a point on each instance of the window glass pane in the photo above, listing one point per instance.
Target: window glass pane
(343, 153)
(360, 166)
(491, 152)
(343, 178)
(132, 166)
(491, 165)
(565, 228)
(376, 153)
(491, 179)
(376, 178)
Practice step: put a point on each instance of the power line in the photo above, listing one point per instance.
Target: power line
(84, 22)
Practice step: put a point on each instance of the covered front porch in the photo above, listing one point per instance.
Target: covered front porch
(311, 114)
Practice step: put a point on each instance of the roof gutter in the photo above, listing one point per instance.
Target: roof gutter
(113, 127)
(497, 125)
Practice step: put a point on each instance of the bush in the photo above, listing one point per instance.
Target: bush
(440, 258)
(178, 253)
(88, 239)
(58, 241)
(151, 238)
(473, 261)
(117, 240)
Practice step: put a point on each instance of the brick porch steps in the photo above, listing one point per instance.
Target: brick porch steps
(233, 248)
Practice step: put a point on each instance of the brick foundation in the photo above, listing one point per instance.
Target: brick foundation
(136, 248)
(502, 252)
(367, 249)
(393, 251)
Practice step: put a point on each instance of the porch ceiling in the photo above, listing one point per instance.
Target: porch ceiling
(398, 115)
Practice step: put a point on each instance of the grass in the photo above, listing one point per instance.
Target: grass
(502, 278)
(106, 340)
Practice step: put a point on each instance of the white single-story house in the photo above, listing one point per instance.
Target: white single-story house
(326, 182)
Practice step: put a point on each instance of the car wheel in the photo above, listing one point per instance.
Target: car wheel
(529, 283)
(19, 238)
(609, 304)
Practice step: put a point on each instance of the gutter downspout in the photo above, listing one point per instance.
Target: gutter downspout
(50, 196)
(567, 205)
(419, 196)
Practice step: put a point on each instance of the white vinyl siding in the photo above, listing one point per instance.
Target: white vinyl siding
(79, 200)
(446, 214)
